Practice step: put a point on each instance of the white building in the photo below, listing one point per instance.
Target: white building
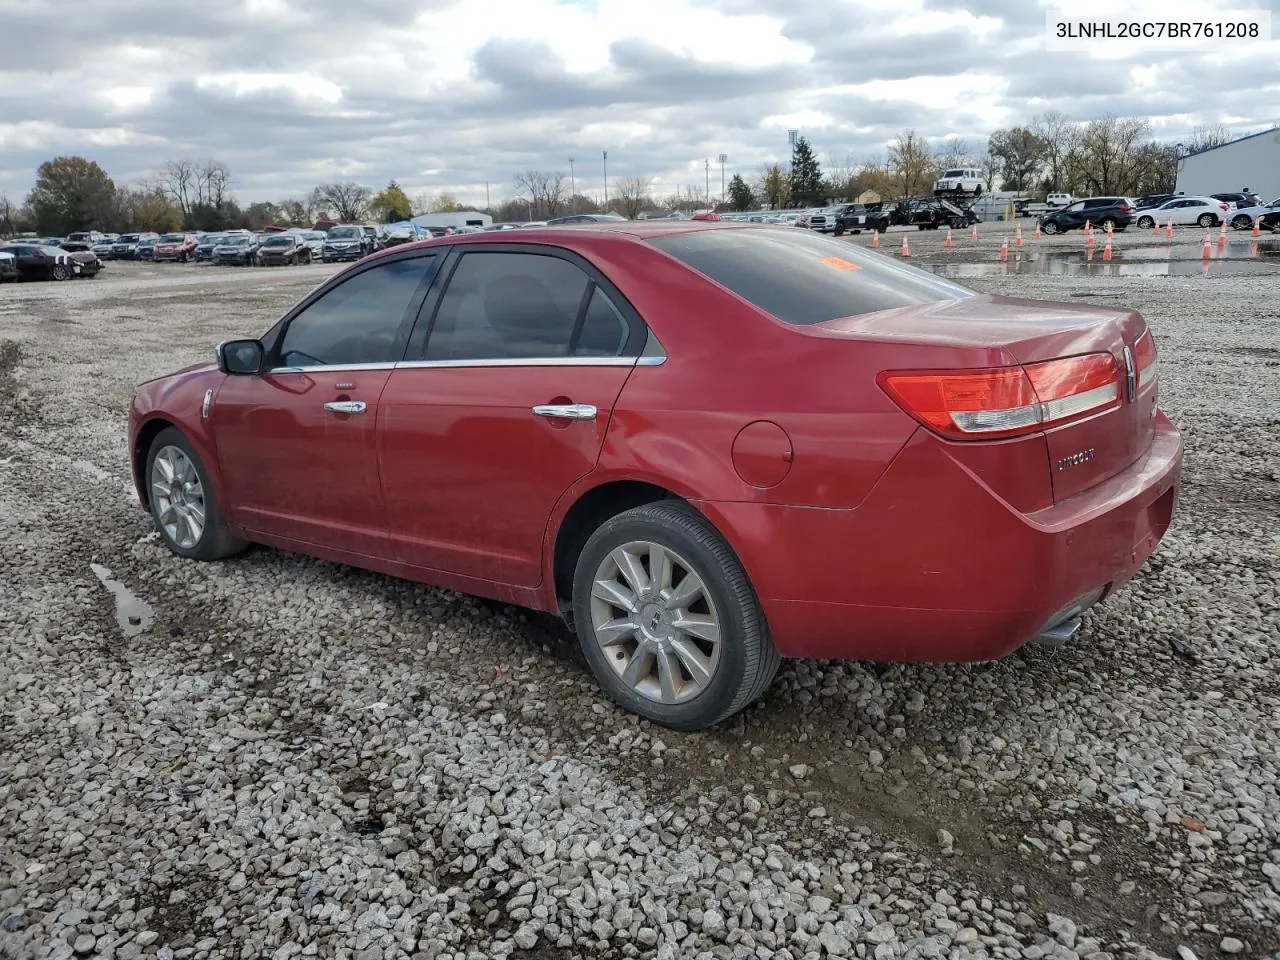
(1251, 162)
(463, 218)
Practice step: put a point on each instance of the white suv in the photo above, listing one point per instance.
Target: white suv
(959, 180)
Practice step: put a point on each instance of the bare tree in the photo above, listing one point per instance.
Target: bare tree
(347, 200)
(632, 195)
(546, 192)
(1060, 137)
(954, 152)
(177, 180)
(1203, 138)
(1017, 154)
(1106, 158)
(912, 161)
(7, 212)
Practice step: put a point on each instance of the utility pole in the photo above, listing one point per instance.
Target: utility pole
(604, 155)
(706, 169)
(573, 191)
(486, 196)
(723, 158)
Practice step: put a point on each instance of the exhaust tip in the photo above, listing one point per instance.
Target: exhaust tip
(1060, 632)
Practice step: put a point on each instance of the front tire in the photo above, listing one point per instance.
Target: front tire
(667, 619)
(183, 503)
(1050, 227)
(1241, 222)
(60, 272)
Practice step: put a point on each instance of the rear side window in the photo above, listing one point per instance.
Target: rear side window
(807, 278)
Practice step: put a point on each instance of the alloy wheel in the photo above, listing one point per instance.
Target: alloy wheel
(653, 616)
(178, 496)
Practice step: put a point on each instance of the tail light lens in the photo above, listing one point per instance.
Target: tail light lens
(1146, 360)
(1125, 208)
(1005, 401)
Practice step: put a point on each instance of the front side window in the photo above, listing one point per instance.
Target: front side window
(357, 321)
(803, 278)
(519, 306)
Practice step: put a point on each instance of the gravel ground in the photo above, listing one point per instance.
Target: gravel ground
(279, 757)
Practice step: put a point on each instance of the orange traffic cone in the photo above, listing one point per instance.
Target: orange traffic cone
(974, 235)
(1207, 252)
(1257, 227)
(1088, 228)
(1004, 249)
(1222, 241)
(1017, 236)
(947, 243)
(1253, 249)
(1090, 241)
(1036, 235)
(1168, 228)
(1156, 227)
(906, 250)
(1106, 248)
(1222, 231)
(875, 239)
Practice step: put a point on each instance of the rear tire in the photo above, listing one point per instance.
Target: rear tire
(1107, 224)
(1146, 223)
(684, 678)
(1207, 220)
(1241, 222)
(181, 497)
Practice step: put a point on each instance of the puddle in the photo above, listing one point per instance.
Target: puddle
(1162, 261)
(133, 614)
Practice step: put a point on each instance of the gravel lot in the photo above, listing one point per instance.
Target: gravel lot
(279, 757)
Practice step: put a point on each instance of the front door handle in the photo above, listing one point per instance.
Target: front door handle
(566, 411)
(345, 406)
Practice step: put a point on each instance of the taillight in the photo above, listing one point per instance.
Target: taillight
(1005, 401)
(1145, 359)
(1125, 208)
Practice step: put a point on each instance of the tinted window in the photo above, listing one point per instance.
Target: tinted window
(604, 331)
(807, 278)
(358, 320)
(507, 306)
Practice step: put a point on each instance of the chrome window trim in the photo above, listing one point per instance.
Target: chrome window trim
(521, 362)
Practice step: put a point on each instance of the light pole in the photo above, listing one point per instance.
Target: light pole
(573, 191)
(706, 168)
(486, 196)
(723, 158)
(604, 159)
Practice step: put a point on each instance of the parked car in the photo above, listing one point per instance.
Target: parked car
(1185, 211)
(1153, 200)
(206, 245)
(390, 419)
(8, 266)
(314, 239)
(125, 246)
(1054, 200)
(584, 218)
(103, 247)
(180, 247)
(88, 265)
(1100, 211)
(281, 248)
(966, 180)
(346, 242)
(1238, 201)
(146, 248)
(1242, 219)
(38, 262)
(240, 249)
(89, 237)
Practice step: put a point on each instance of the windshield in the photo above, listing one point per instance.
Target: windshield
(129, 238)
(237, 241)
(344, 232)
(279, 242)
(807, 278)
(213, 238)
(172, 238)
(954, 173)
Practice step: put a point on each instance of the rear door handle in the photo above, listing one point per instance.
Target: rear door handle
(345, 406)
(566, 411)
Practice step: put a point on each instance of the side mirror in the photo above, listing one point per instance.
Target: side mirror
(240, 357)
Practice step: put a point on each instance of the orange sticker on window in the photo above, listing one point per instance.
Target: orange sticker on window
(840, 263)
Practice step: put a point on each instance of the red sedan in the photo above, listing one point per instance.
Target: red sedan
(179, 247)
(706, 445)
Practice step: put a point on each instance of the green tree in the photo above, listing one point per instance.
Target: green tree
(71, 193)
(806, 175)
(740, 195)
(1019, 154)
(775, 186)
(391, 205)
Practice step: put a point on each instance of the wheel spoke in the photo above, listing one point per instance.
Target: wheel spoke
(616, 631)
(639, 667)
(161, 490)
(614, 593)
(699, 625)
(668, 675)
(194, 527)
(661, 568)
(632, 570)
(694, 661)
(166, 468)
(687, 593)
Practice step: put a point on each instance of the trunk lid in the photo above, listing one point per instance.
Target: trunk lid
(987, 331)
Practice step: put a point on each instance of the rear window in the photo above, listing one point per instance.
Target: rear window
(805, 279)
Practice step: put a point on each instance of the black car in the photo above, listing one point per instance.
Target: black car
(1153, 200)
(288, 248)
(346, 242)
(237, 248)
(1241, 200)
(34, 262)
(205, 245)
(1099, 211)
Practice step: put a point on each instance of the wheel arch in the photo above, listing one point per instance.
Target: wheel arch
(142, 441)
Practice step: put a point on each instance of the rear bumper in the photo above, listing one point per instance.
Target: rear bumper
(933, 566)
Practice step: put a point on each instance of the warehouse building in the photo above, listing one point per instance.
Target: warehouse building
(462, 218)
(1251, 162)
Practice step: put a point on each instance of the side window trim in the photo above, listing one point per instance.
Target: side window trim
(273, 339)
(639, 340)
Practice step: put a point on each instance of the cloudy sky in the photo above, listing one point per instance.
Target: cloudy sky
(451, 94)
